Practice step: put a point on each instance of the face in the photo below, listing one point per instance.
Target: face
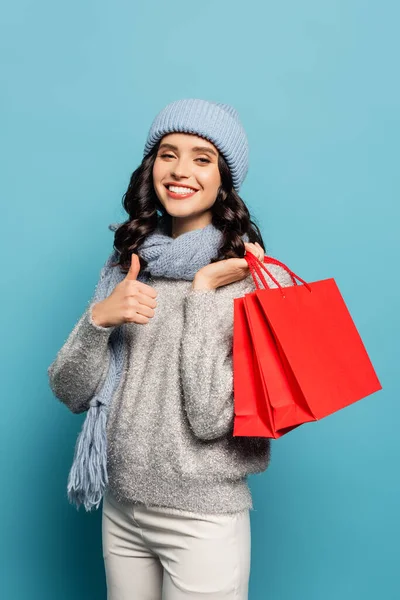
(186, 177)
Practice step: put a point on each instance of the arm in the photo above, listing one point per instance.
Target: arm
(80, 366)
(206, 358)
(206, 364)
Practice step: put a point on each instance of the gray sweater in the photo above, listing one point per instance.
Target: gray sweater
(169, 429)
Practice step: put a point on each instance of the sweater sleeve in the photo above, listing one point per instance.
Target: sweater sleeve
(206, 364)
(80, 366)
(207, 359)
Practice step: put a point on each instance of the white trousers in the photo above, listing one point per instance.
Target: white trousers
(157, 553)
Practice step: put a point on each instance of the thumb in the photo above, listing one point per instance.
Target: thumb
(134, 268)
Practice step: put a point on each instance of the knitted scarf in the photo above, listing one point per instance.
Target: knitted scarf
(176, 258)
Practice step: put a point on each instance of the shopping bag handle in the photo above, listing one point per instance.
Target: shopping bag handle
(257, 266)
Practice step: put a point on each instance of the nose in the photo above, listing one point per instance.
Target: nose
(181, 169)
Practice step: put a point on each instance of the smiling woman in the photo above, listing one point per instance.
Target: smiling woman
(151, 362)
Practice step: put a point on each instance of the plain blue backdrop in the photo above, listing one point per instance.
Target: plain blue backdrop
(316, 85)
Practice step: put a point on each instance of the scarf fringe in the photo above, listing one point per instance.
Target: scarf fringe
(88, 478)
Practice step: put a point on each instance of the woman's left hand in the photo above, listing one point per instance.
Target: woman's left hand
(226, 271)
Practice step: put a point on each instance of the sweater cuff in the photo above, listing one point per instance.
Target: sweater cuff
(105, 330)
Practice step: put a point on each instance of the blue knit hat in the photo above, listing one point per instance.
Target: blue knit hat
(219, 123)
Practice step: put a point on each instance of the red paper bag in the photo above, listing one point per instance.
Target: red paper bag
(297, 355)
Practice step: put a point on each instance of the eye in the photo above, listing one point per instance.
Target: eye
(166, 155)
(205, 160)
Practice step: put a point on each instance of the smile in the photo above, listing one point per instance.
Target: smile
(177, 191)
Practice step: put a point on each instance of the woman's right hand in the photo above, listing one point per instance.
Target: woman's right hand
(131, 301)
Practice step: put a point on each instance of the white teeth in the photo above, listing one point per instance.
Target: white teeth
(180, 190)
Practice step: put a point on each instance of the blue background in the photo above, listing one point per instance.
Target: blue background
(317, 88)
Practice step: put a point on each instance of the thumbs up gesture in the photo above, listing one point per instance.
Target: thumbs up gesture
(131, 301)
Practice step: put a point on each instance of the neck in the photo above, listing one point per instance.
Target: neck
(182, 225)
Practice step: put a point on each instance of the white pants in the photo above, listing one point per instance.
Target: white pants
(157, 553)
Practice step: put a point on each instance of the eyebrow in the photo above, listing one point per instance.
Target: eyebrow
(194, 149)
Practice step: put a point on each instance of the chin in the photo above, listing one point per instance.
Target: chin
(175, 212)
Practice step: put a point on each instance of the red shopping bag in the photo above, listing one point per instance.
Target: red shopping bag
(297, 355)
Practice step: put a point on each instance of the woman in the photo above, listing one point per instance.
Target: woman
(176, 508)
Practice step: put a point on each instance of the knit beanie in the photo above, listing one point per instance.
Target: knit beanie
(217, 122)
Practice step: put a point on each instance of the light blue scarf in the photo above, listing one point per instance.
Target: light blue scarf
(178, 258)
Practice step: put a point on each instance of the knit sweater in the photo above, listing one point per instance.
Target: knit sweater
(169, 429)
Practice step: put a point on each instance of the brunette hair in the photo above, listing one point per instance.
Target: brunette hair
(229, 214)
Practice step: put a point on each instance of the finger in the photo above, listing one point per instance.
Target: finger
(255, 249)
(141, 319)
(144, 288)
(146, 300)
(144, 310)
(150, 291)
(134, 268)
(250, 246)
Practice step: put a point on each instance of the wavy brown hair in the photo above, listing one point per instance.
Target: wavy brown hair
(229, 214)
